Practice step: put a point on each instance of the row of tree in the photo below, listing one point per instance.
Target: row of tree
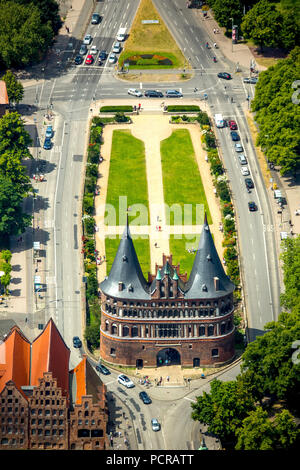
(15, 184)
(276, 104)
(27, 29)
(269, 24)
(260, 409)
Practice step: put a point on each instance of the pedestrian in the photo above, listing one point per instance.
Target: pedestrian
(168, 378)
(155, 244)
(214, 30)
(139, 105)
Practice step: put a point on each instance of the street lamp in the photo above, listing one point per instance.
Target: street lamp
(231, 34)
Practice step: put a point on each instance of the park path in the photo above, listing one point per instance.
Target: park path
(152, 129)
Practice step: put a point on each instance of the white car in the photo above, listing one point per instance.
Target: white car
(112, 58)
(134, 92)
(155, 424)
(87, 39)
(93, 50)
(124, 380)
(238, 147)
(245, 171)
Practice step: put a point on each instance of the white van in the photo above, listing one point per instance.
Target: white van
(219, 120)
(121, 34)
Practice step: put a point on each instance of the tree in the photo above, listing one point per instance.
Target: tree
(287, 432)
(262, 24)
(12, 220)
(14, 88)
(256, 432)
(13, 136)
(224, 10)
(49, 11)
(291, 270)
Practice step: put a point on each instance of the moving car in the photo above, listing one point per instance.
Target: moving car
(155, 424)
(101, 368)
(112, 58)
(249, 183)
(232, 125)
(234, 135)
(77, 342)
(153, 94)
(252, 206)
(89, 59)
(87, 39)
(124, 380)
(117, 48)
(238, 147)
(252, 80)
(173, 94)
(245, 171)
(83, 49)
(145, 398)
(103, 55)
(78, 60)
(224, 75)
(134, 92)
(96, 18)
(49, 132)
(93, 50)
(243, 159)
(47, 143)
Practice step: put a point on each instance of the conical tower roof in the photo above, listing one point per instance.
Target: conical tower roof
(207, 266)
(126, 269)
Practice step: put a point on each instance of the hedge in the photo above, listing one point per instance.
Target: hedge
(115, 109)
(179, 108)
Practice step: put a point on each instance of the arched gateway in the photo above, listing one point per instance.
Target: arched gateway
(168, 357)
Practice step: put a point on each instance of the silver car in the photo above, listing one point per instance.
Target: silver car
(134, 92)
(83, 49)
(238, 147)
(155, 424)
(88, 39)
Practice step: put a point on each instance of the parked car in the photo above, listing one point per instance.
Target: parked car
(117, 48)
(155, 424)
(173, 94)
(77, 342)
(134, 92)
(124, 380)
(252, 206)
(78, 60)
(87, 39)
(145, 398)
(83, 49)
(242, 159)
(232, 125)
(96, 18)
(234, 135)
(249, 183)
(224, 75)
(49, 132)
(238, 147)
(47, 143)
(103, 55)
(245, 171)
(153, 94)
(93, 50)
(112, 58)
(101, 368)
(89, 59)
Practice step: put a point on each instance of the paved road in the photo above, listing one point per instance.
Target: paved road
(70, 96)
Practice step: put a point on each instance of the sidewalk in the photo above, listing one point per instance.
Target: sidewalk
(237, 53)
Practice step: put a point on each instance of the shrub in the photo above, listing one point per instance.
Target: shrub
(96, 135)
(203, 119)
(116, 109)
(229, 225)
(120, 117)
(91, 287)
(89, 225)
(185, 108)
(90, 185)
(88, 203)
(210, 140)
(92, 170)
(184, 117)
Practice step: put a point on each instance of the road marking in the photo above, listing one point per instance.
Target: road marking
(190, 399)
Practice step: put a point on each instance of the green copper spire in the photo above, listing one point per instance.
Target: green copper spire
(175, 275)
(158, 275)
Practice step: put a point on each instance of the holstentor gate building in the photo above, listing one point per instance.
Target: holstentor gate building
(168, 319)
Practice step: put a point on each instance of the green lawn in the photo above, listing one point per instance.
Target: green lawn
(142, 249)
(182, 181)
(127, 179)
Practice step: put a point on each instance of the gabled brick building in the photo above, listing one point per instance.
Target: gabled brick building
(167, 319)
(38, 394)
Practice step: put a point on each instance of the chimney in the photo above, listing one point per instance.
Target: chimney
(121, 286)
(217, 283)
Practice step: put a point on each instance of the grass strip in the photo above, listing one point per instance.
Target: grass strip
(182, 181)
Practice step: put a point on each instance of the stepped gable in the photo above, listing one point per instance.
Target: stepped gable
(126, 280)
(208, 278)
(50, 354)
(167, 269)
(15, 359)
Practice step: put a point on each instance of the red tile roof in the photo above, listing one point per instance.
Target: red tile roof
(3, 93)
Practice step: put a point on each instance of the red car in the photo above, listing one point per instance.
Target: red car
(232, 125)
(89, 59)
